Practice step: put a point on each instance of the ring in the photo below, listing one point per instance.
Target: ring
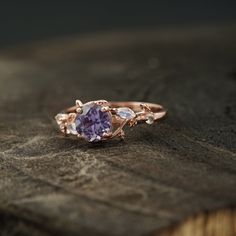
(102, 120)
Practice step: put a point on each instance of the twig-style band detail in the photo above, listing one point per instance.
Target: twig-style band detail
(102, 120)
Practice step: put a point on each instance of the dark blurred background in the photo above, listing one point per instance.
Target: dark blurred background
(24, 21)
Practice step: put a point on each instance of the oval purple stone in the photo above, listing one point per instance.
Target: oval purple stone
(92, 124)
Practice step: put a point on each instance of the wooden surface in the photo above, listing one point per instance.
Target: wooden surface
(218, 223)
(160, 175)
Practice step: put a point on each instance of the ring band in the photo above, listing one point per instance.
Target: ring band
(101, 120)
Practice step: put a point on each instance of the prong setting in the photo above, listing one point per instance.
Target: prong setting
(79, 110)
(101, 102)
(79, 106)
(78, 103)
(71, 117)
(105, 109)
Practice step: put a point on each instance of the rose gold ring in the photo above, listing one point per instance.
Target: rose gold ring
(101, 120)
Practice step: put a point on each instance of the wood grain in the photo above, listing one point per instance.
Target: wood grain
(218, 223)
(160, 175)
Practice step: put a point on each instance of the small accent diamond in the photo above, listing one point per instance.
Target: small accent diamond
(125, 113)
(150, 119)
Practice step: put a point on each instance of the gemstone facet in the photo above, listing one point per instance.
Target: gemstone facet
(93, 123)
(125, 113)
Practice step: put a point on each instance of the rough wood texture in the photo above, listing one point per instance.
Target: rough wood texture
(159, 176)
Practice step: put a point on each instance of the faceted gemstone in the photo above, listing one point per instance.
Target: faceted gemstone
(125, 113)
(150, 119)
(93, 123)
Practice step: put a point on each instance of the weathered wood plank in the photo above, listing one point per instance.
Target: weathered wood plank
(160, 175)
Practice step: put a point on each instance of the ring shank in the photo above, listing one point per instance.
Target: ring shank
(135, 106)
(157, 110)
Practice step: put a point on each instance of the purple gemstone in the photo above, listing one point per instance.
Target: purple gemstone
(92, 124)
